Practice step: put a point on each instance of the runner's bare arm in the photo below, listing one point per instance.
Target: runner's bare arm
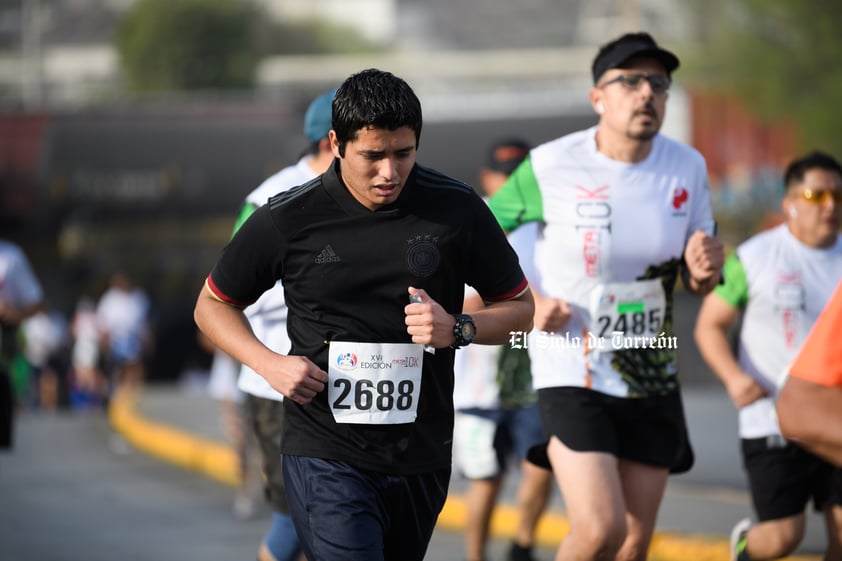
(809, 414)
(227, 326)
(703, 260)
(430, 324)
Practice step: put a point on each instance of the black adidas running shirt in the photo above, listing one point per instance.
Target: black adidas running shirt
(345, 271)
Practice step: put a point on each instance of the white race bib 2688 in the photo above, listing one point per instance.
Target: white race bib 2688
(374, 383)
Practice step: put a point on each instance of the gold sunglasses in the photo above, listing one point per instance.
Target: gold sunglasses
(820, 197)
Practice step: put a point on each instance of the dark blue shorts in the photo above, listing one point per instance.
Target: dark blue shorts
(517, 429)
(342, 513)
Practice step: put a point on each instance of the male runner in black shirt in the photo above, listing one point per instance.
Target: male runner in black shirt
(369, 418)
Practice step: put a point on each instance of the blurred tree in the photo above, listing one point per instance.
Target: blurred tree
(188, 44)
(311, 37)
(780, 57)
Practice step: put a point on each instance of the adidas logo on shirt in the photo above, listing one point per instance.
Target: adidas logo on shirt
(327, 256)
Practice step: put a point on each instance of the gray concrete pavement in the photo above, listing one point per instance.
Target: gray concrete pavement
(67, 494)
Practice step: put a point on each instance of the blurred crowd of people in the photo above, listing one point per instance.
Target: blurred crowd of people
(77, 362)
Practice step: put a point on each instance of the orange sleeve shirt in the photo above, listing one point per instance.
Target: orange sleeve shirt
(820, 358)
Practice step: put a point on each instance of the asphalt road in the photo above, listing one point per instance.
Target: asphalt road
(66, 495)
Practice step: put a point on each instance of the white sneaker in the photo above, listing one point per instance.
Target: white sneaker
(737, 535)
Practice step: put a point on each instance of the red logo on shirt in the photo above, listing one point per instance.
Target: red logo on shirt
(596, 193)
(679, 197)
(590, 252)
(593, 221)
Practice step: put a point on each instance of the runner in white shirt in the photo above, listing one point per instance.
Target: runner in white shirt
(623, 211)
(497, 418)
(21, 296)
(778, 282)
(123, 315)
(267, 317)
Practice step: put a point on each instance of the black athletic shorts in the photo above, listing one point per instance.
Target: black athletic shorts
(649, 430)
(783, 478)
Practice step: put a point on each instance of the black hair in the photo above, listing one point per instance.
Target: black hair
(797, 169)
(374, 98)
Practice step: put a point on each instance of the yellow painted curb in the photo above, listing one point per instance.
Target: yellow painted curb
(172, 445)
(219, 462)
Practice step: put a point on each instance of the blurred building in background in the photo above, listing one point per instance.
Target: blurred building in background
(93, 179)
(61, 53)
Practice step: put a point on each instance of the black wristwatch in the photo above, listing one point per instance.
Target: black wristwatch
(464, 330)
